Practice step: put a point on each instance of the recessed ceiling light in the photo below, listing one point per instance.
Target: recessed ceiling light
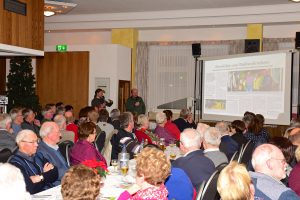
(296, 1)
(48, 13)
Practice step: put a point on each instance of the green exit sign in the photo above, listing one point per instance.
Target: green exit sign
(61, 48)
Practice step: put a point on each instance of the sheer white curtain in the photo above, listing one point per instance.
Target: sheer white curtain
(172, 71)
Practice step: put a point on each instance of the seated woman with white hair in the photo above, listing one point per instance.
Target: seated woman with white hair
(142, 132)
(160, 130)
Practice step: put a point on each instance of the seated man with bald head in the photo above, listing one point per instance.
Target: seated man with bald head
(194, 163)
(270, 166)
(48, 148)
(39, 174)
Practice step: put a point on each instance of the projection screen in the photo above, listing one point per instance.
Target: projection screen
(256, 82)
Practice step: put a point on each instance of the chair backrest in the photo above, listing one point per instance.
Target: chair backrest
(234, 157)
(67, 135)
(210, 189)
(64, 148)
(99, 144)
(4, 155)
(246, 153)
(221, 166)
(200, 190)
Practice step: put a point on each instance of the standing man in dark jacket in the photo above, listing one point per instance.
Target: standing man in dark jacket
(135, 104)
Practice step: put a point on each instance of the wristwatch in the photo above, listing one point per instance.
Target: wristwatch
(41, 177)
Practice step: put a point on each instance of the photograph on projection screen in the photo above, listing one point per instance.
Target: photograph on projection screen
(255, 80)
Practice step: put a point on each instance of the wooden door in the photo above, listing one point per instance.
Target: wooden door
(63, 77)
(124, 94)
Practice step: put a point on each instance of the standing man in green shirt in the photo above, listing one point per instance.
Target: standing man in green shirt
(135, 104)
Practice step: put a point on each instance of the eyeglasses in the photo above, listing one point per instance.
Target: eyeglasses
(283, 161)
(32, 142)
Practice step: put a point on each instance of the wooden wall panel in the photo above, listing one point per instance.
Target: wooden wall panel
(63, 77)
(24, 31)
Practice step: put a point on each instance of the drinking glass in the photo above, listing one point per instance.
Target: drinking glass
(124, 166)
(114, 163)
(162, 144)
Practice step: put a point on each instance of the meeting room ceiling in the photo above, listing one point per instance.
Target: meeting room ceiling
(121, 6)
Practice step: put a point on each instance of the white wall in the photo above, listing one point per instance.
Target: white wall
(77, 38)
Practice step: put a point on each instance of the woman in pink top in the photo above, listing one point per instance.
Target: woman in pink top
(84, 149)
(153, 168)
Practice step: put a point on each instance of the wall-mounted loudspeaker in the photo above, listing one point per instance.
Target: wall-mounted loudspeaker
(252, 45)
(196, 49)
(297, 41)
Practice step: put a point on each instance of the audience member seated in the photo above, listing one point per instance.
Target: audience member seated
(194, 163)
(255, 131)
(61, 122)
(185, 120)
(293, 134)
(125, 137)
(142, 132)
(84, 149)
(17, 119)
(109, 131)
(93, 116)
(60, 110)
(269, 165)
(227, 145)
(7, 139)
(48, 148)
(83, 114)
(153, 168)
(114, 118)
(237, 130)
(211, 142)
(288, 150)
(170, 126)
(292, 129)
(47, 114)
(294, 177)
(201, 128)
(39, 174)
(30, 122)
(12, 185)
(160, 129)
(71, 126)
(69, 108)
(80, 182)
(234, 183)
(179, 185)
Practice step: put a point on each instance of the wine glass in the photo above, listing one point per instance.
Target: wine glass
(124, 167)
(114, 163)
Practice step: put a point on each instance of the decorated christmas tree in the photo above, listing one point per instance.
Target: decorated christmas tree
(21, 84)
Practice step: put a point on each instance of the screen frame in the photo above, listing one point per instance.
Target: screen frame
(283, 119)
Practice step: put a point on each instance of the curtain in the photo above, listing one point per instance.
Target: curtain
(165, 70)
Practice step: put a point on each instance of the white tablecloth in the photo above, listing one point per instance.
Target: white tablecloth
(114, 185)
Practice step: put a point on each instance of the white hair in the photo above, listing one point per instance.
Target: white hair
(60, 120)
(260, 156)
(12, 184)
(190, 138)
(222, 127)
(212, 136)
(4, 120)
(160, 117)
(23, 134)
(46, 128)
